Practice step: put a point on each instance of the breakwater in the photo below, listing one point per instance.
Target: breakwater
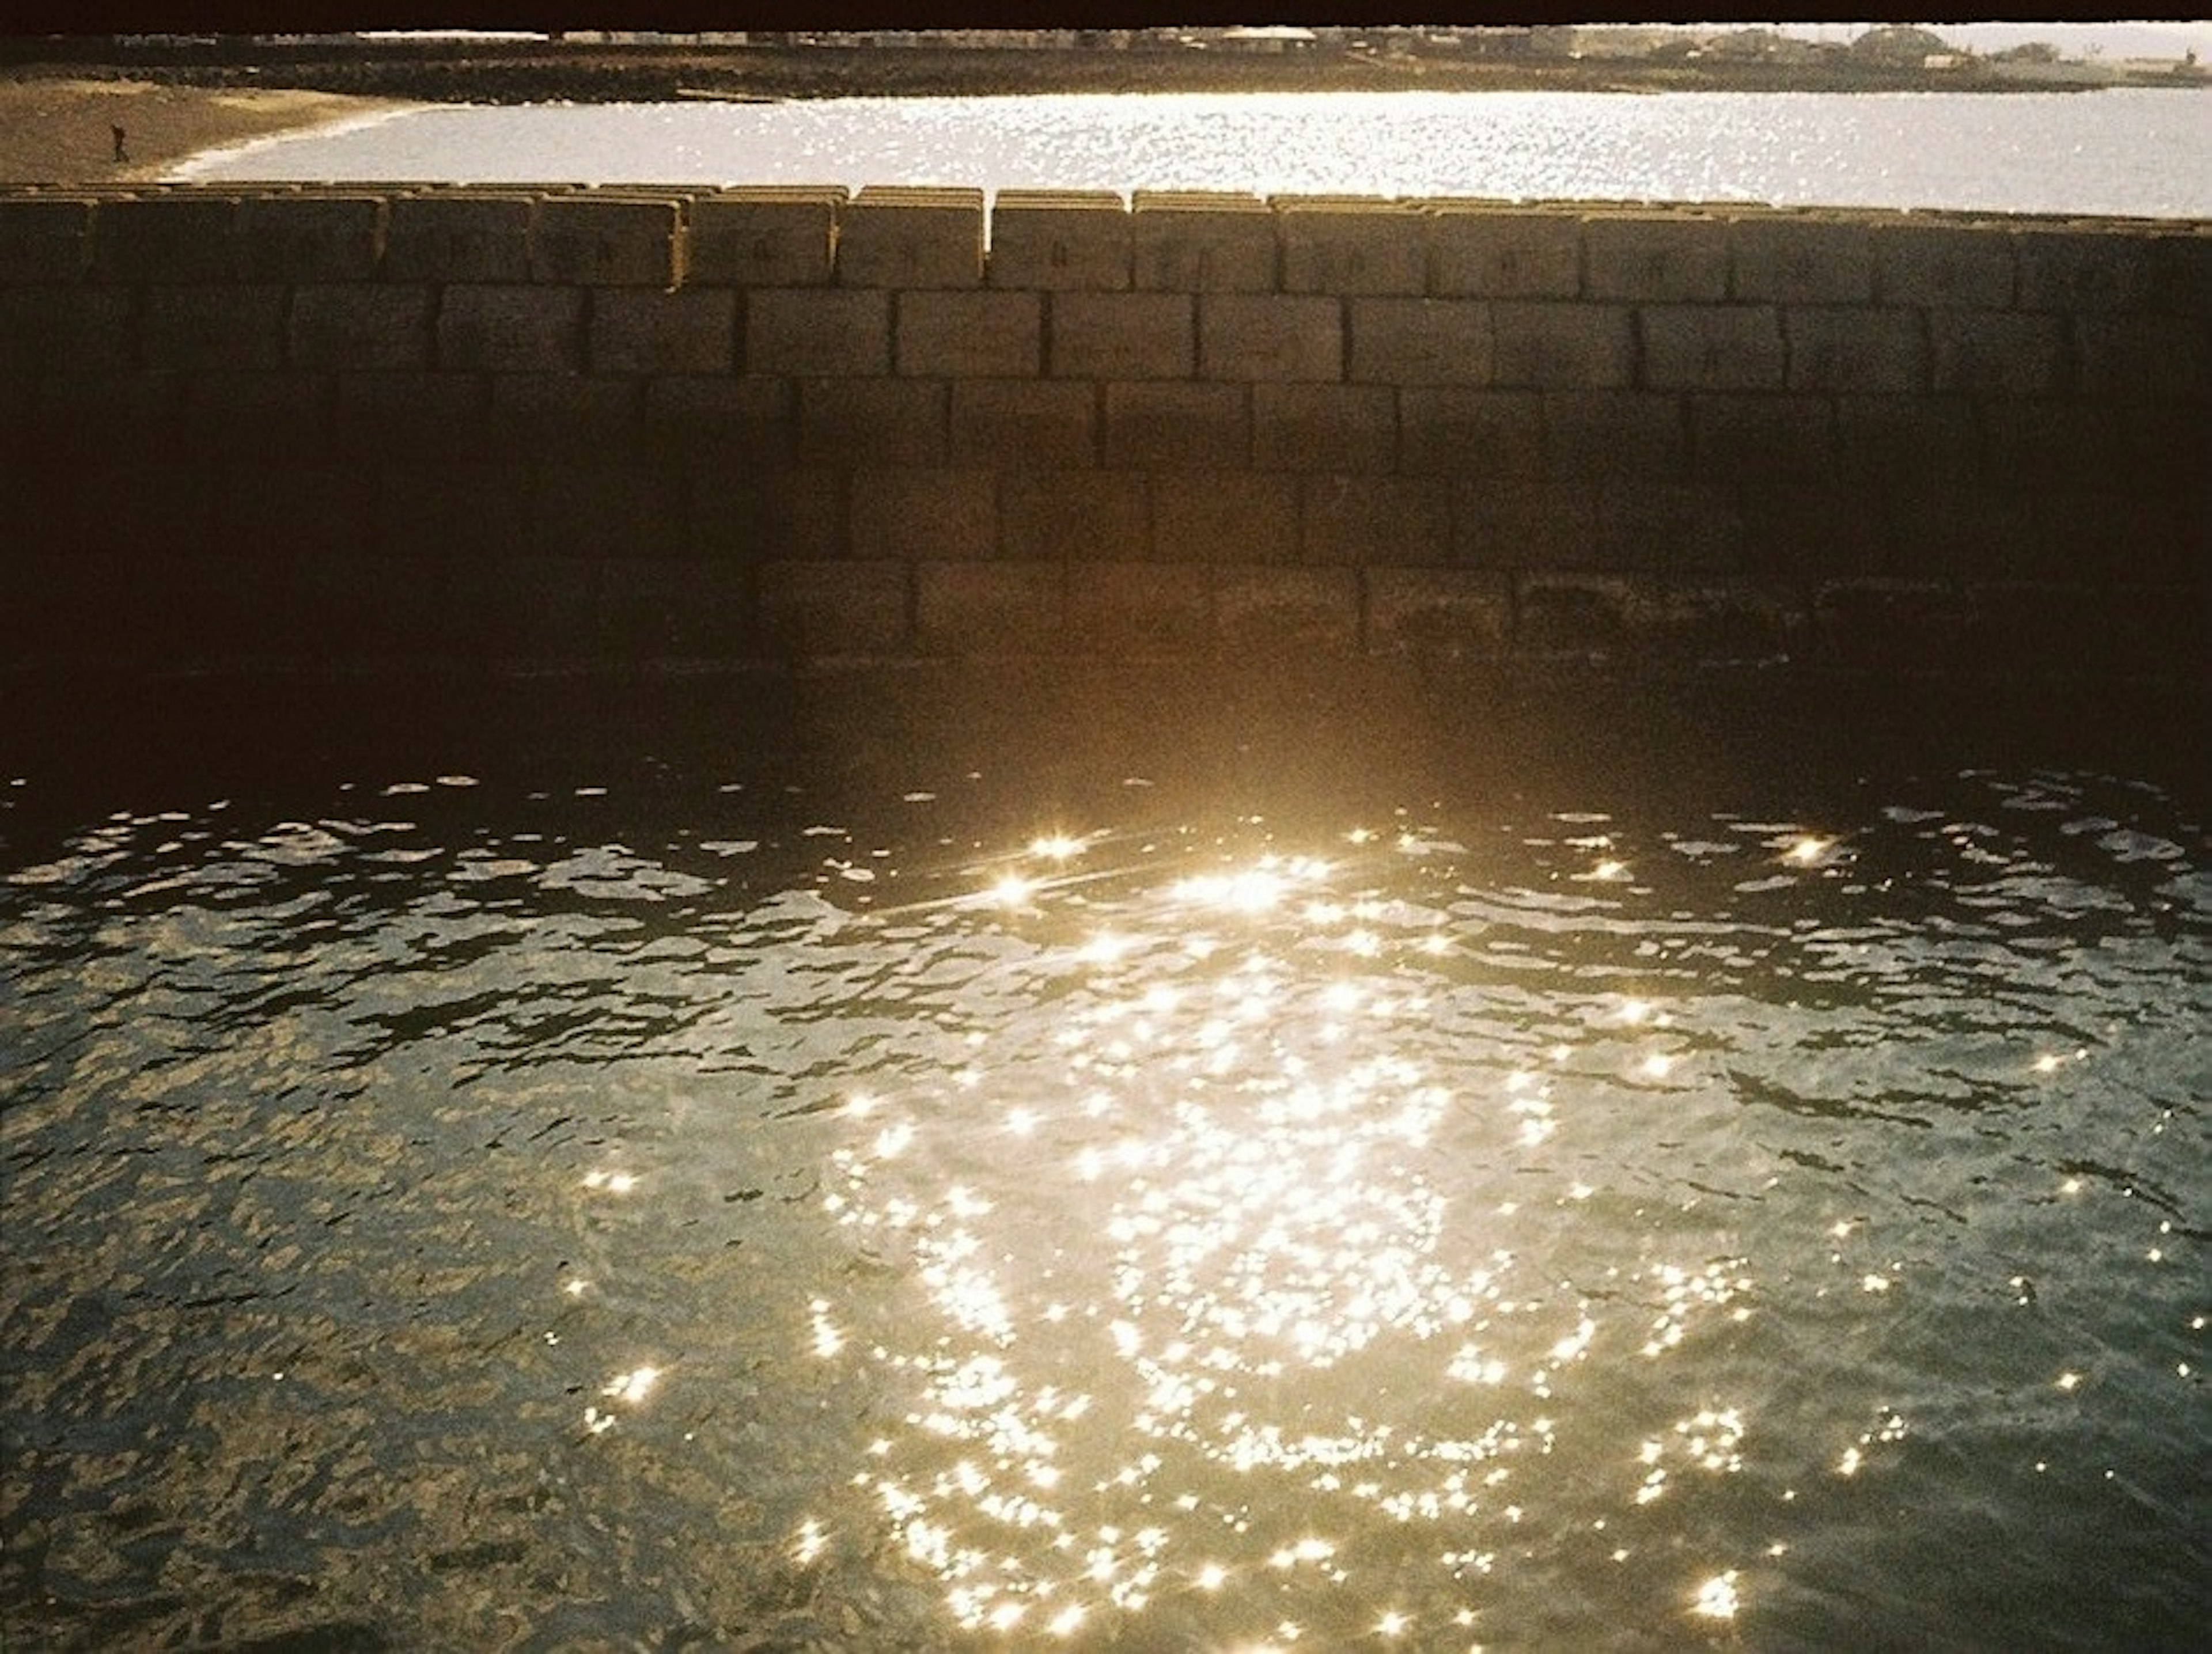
(406, 423)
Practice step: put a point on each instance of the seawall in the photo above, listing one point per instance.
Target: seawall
(393, 424)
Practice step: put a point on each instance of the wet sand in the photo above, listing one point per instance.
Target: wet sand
(56, 130)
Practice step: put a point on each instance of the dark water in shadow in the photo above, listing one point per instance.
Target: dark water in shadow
(1023, 1159)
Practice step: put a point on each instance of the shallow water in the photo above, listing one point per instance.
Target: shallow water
(876, 1187)
(2126, 152)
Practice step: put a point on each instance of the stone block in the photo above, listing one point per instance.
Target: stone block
(1270, 336)
(900, 237)
(595, 240)
(1225, 516)
(1202, 243)
(645, 331)
(1331, 427)
(1398, 520)
(661, 610)
(94, 414)
(759, 513)
(1722, 622)
(52, 329)
(570, 417)
(2146, 358)
(465, 512)
(925, 514)
(989, 609)
(1801, 260)
(2078, 270)
(1997, 353)
(150, 509)
(1459, 431)
(1168, 426)
(310, 237)
(954, 334)
(1060, 240)
(1683, 529)
(525, 607)
(1126, 609)
(873, 421)
(1943, 265)
(1886, 441)
(765, 236)
(1079, 516)
(1410, 342)
(811, 332)
(275, 416)
(583, 509)
(1262, 612)
(44, 239)
(823, 610)
(1559, 613)
(296, 510)
(1851, 350)
(189, 237)
(1672, 258)
(1887, 623)
(360, 325)
(1561, 346)
(1449, 613)
(1771, 437)
(213, 326)
(480, 239)
(1599, 439)
(1123, 336)
(1478, 250)
(1515, 525)
(1018, 422)
(511, 329)
(705, 420)
(2179, 266)
(1351, 245)
(406, 415)
(1713, 348)
(1796, 532)
(2043, 443)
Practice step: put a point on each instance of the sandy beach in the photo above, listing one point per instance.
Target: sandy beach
(56, 130)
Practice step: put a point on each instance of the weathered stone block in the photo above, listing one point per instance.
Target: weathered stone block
(155, 509)
(1562, 346)
(1129, 609)
(1225, 516)
(1512, 523)
(763, 236)
(1060, 240)
(1123, 336)
(1399, 520)
(656, 610)
(2154, 358)
(502, 329)
(66, 330)
(213, 326)
(1943, 265)
(44, 238)
(454, 238)
(1026, 421)
(924, 514)
(1682, 529)
(1713, 348)
(818, 610)
(1598, 438)
(319, 511)
(1773, 438)
(361, 326)
(953, 335)
(1351, 245)
(468, 513)
(95, 413)
(1855, 350)
(2082, 270)
(309, 237)
(1562, 612)
(1793, 531)
(275, 416)
(1457, 431)
(873, 421)
(897, 237)
(713, 419)
(1270, 336)
(1080, 516)
(1408, 341)
(755, 514)
(569, 417)
(527, 607)
(1721, 622)
(806, 330)
(1260, 611)
(1331, 427)
(642, 331)
(1178, 427)
(404, 415)
(596, 240)
(1671, 257)
(1885, 622)
(989, 609)
(2044, 443)
(1203, 243)
(1905, 440)
(2180, 269)
(182, 238)
(1799, 260)
(1483, 252)
(2001, 353)
(1451, 613)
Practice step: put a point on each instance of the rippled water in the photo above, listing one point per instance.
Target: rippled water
(1136, 1197)
(2128, 152)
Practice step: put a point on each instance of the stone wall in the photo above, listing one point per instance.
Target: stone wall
(644, 424)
